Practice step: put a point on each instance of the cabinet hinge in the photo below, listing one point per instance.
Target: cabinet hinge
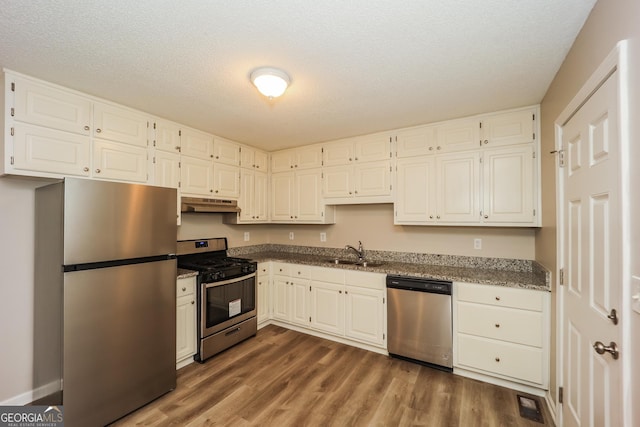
(534, 154)
(534, 135)
(180, 132)
(11, 159)
(390, 186)
(384, 300)
(560, 394)
(13, 112)
(309, 319)
(534, 117)
(480, 143)
(384, 336)
(309, 288)
(12, 131)
(322, 213)
(480, 125)
(534, 212)
(322, 150)
(390, 169)
(154, 160)
(179, 184)
(154, 125)
(179, 165)
(13, 86)
(562, 276)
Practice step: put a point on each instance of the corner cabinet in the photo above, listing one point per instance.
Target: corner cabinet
(186, 321)
(502, 333)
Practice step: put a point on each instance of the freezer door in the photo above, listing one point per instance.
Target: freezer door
(106, 221)
(119, 348)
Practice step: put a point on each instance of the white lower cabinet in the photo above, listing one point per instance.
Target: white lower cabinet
(342, 303)
(502, 333)
(264, 292)
(185, 320)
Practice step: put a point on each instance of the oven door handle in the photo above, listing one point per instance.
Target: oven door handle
(226, 282)
(231, 332)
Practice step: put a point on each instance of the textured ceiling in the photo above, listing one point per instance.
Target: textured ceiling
(357, 66)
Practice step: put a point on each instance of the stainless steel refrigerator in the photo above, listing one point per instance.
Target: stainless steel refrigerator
(105, 296)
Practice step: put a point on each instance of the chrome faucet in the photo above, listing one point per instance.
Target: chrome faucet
(359, 251)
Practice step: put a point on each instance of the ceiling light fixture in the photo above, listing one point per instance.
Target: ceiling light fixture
(270, 82)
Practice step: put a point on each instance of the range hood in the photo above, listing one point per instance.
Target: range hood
(196, 204)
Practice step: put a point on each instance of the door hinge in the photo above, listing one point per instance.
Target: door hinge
(13, 86)
(561, 158)
(560, 394)
(11, 159)
(13, 112)
(562, 276)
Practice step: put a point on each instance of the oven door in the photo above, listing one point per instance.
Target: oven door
(226, 303)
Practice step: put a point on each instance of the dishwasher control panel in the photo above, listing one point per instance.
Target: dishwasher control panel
(419, 284)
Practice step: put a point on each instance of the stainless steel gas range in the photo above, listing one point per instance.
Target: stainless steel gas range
(226, 294)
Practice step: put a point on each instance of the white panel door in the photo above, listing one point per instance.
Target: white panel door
(458, 135)
(516, 127)
(372, 148)
(196, 176)
(227, 152)
(166, 169)
(185, 326)
(458, 187)
(591, 259)
(46, 150)
(282, 196)
(327, 307)
(308, 195)
(308, 157)
(338, 153)
(300, 301)
(263, 299)
(120, 124)
(261, 196)
(226, 181)
(282, 161)
(51, 107)
(281, 298)
(365, 315)
(247, 199)
(508, 185)
(373, 179)
(337, 181)
(416, 142)
(123, 162)
(194, 143)
(167, 136)
(415, 201)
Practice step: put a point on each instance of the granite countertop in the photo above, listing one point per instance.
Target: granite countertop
(535, 279)
(183, 273)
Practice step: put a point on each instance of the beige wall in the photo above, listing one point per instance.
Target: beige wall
(610, 21)
(373, 225)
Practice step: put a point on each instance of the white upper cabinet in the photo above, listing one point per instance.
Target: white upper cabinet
(457, 135)
(120, 162)
(416, 190)
(166, 136)
(196, 177)
(197, 144)
(227, 152)
(166, 169)
(419, 141)
(226, 181)
(120, 124)
(458, 187)
(252, 158)
(297, 197)
(50, 107)
(360, 149)
(297, 158)
(507, 128)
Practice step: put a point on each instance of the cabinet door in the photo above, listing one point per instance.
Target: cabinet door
(308, 157)
(300, 301)
(166, 136)
(261, 161)
(337, 181)
(120, 124)
(415, 189)
(196, 176)
(509, 185)
(365, 315)
(51, 107)
(263, 297)
(337, 153)
(194, 143)
(327, 307)
(46, 150)
(372, 148)
(166, 171)
(282, 194)
(226, 152)
(516, 127)
(373, 179)
(458, 135)
(458, 187)
(308, 189)
(247, 195)
(185, 327)
(251, 158)
(226, 181)
(122, 162)
(261, 196)
(282, 161)
(416, 142)
(281, 298)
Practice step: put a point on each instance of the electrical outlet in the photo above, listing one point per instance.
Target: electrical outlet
(477, 243)
(291, 235)
(323, 237)
(247, 237)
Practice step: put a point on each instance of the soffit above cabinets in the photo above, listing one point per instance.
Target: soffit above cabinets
(356, 67)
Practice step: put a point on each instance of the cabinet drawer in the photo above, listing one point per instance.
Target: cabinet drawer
(511, 360)
(365, 279)
(505, 324)
(330, 275)
(281, 269)
(500, 296)
(185, 287)
(300, 271)
(264, 268)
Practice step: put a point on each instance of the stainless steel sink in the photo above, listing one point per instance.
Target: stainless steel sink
(339, 261)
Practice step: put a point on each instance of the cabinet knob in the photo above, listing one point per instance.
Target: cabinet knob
(497, 359)
(346, 292)
(497, 325)
(339, 292)
(296, 217)
(86, 169)
(216, 191)
(184, 289)
(356, 159)
(257, 167)
(356, 191)
(211, 191)
(291, 216)
(430, 216)
(177, 148)
(296, 166)
(486, 216)
(485, 142)
(217, 157)
(350, 159)
(98, 130)
(193, 302)
(291, 166)
(438, 147)
(350, 192)
(211, 155)
(86, 128)
(97, 170)
(430, 148)
(497, 298)
(438, 217)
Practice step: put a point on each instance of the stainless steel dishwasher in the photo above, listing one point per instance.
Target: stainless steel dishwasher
(419, 320)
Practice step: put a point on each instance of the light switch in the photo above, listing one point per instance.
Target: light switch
(291, 235)
(246, 236)
(323, 237)
(477, 243)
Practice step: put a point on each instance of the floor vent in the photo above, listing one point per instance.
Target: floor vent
(530, 408)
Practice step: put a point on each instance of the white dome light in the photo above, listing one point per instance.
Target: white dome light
(270, 82)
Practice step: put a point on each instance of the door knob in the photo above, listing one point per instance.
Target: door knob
(612, 348)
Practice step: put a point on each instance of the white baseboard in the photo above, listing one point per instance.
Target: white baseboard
(501, 382)
(31, 395)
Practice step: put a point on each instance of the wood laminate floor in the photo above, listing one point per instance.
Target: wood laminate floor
(286, 378)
